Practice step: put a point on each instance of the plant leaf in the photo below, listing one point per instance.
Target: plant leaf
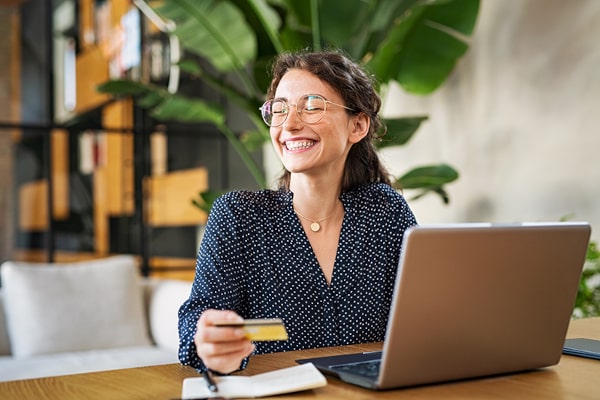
(270, 21)
(179, 108)
(399, 131)
(122, 87)
(148, 95)
(439, 190)
(427, 177)
(422, 49)
(253, 140)
(215, 30)
(206, 199)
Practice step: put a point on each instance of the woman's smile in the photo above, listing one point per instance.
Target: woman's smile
(298, 144)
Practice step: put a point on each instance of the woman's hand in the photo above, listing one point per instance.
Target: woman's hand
(221, 349)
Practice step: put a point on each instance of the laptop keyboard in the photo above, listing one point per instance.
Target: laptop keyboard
(363, 368)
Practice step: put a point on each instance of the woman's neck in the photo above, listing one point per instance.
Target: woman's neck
(314, 198)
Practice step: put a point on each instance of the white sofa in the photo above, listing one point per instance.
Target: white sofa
(58, 319)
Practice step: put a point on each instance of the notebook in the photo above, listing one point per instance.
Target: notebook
(473, 300)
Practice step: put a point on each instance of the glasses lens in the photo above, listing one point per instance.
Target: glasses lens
(311, 108)
(274, 112)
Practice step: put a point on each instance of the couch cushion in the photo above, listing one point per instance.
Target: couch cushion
(168, 295)
(4, 341)
(94, 304)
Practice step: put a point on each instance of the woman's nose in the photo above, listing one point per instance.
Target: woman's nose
(293, 119)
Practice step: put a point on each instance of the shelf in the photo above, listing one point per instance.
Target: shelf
(170, 198)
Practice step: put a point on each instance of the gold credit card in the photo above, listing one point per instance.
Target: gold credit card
(259, 329)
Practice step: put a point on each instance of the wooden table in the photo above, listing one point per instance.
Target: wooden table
(573, 378)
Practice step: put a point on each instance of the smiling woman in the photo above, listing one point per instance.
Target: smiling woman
(320, 253)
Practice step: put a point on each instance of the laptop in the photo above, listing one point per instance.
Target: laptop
(473, 300)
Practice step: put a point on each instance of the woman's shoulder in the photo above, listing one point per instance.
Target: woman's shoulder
(251, 200)
(379, 193)
(380, 201)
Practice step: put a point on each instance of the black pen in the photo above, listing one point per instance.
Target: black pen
(210, 382)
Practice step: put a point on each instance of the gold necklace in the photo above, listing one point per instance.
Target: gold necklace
(315, 226)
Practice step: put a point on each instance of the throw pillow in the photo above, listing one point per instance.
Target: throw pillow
(87, 305)
(168, 296)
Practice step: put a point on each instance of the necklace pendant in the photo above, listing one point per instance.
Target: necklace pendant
(315, 227)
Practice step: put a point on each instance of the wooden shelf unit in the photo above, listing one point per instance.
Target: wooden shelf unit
(167, 194)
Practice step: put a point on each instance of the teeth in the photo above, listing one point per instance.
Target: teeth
(299, 144)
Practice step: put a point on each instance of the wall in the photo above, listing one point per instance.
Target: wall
(519, 118)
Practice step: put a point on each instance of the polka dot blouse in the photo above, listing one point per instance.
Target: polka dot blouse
(256, 260)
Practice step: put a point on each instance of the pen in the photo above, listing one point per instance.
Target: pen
(210, 382)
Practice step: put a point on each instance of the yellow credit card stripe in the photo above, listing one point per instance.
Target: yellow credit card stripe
(266, 332)
(262, 329)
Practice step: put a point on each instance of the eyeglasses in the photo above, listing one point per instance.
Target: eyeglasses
(310, 108)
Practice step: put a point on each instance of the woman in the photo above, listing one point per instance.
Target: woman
(321, 252)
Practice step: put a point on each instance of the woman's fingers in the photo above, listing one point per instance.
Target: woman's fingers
(221, 349)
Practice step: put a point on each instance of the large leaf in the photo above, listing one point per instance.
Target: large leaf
(164, 106)
(429, 179)
(399, 131)
(206, 199)
(428, 176)
(123, 87)
(339, 25)
(422, 49)
(363, 38)
(253, 140)
(179, 108)
(148, 96)
(216, 30)
(269, 20)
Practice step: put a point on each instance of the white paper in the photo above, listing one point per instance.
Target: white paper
(286, 380)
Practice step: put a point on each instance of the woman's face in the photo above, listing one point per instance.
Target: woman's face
(317, 148)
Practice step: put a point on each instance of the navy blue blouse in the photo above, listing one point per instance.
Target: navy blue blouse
(256, 260)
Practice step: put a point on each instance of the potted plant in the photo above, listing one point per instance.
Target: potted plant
(414, 43)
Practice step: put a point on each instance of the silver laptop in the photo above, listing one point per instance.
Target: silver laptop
(473, 300)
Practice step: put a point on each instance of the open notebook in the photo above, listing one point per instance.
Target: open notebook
(473, 300)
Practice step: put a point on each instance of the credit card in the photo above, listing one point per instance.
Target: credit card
(264, 329)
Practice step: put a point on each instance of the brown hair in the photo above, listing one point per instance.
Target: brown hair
(357, 88)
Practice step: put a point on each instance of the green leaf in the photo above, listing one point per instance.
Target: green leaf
(390, 48)
(148, 96)
(206, 199)
(179, 108)
(216, 30)
(190, 66)
(439, 190)
(422, 48)
(399, 131)
(339, 25)
(270, 21)
(122, 87)
(253, 140)
(152, 99)
(429, 176)
(427, 63)
(383, 17)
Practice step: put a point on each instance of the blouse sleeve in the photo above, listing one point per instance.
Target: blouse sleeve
(218, 283)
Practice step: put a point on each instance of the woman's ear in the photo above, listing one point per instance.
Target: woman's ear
(362, 122)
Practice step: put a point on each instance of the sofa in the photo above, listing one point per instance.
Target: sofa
(58, 319)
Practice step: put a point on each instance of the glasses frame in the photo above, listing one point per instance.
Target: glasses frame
(298, 111)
